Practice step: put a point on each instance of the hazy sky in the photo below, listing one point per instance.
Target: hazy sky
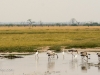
(49, 10)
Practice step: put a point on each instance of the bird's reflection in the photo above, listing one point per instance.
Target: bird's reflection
(50, 67)
(97, 65)
(73, 63)
(36, 63)
(86, 65)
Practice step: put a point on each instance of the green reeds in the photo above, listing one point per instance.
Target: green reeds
(55, 48)
(18, 49)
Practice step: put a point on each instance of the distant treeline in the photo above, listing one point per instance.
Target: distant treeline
(55, 24)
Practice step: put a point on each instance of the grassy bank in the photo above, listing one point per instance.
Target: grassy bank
(22, 39)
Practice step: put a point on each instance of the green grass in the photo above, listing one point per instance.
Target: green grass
(27, 40)
(56, 48)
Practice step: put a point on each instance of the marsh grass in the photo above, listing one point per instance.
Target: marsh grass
(23, 39)
(56, 48)
(18, 49)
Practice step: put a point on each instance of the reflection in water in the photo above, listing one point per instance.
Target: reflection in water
(85, 66)
(73, 63)
(50, 67)
(63, 57)
(97, 65)
(36, 63)
(43, 66)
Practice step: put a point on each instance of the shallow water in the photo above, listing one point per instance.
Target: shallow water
(29, 65)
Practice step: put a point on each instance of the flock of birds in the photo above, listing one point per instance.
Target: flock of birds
(85, 55)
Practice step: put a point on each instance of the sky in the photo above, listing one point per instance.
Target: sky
(49, 10)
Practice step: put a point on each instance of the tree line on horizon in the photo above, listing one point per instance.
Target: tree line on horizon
(31, 23)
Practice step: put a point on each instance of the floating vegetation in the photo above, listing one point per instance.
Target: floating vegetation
(11, 56)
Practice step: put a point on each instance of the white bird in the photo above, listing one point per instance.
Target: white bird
(75, 56)
(36, 54)
(63, 53)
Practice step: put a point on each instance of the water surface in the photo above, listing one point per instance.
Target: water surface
(29, 65)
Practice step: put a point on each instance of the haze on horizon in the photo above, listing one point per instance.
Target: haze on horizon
(49, 10)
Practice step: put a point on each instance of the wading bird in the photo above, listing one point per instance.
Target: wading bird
(98, 56)
(63, 53)
(75, 56)
(51, 54)
(72, 52)
(36, 54)
(85, 54)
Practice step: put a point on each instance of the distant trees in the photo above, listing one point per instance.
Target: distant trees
(74, 22)
(92, 24)
(30, 22)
